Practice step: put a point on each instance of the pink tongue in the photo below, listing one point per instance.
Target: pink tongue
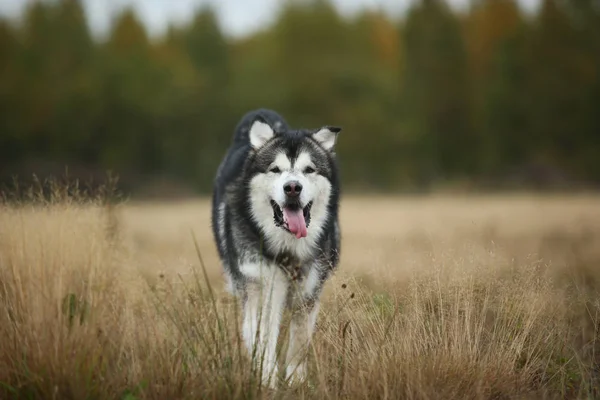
(295, 221)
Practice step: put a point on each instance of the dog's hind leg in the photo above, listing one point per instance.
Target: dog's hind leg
(264, 301)
(302, 327)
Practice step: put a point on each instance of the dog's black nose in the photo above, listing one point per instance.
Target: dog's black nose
(292, 188)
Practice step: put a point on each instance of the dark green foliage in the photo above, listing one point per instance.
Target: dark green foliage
(505, 114)
(435, 98)
(435, 94)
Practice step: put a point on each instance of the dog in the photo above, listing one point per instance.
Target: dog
(275, 223)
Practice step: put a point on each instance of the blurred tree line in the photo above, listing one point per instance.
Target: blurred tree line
(485, 98)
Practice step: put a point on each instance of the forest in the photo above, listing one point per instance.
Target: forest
(484, 99)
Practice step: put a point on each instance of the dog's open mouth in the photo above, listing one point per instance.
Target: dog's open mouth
(292, 217)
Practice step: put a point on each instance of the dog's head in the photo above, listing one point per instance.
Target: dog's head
(291, 179)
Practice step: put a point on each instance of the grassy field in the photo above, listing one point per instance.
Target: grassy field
(440, 297)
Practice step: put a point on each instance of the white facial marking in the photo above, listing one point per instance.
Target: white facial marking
(282, 162)
(303, 161)
(260, 133)
(269, 186)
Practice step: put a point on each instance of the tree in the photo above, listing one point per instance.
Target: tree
(504, 122)
(128, 135)
(435, 94)
(11, 146)
(490, 23)
(328, 70)
(438, 96)
(54, 78)
(309, 59)
(495, 37)
(210, 105)
(564, 76)
(207, 48)
(75, 84)
(585, 15)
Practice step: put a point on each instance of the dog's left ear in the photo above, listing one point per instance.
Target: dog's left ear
(327, 136)
(260, 133)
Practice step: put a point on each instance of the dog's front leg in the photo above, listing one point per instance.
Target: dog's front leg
(263, 305)
(302, 327)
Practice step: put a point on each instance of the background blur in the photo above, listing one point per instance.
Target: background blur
(464, 96)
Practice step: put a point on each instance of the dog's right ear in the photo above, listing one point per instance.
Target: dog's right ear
(260, 133)
(327, 136)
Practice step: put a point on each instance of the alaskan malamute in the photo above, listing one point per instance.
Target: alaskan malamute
(275, 223)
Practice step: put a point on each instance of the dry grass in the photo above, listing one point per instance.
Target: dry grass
(435, 298)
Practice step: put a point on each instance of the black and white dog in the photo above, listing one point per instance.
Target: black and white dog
(275, 222)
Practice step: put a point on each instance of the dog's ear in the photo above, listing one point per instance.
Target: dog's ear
(260, 133)
(327, 136)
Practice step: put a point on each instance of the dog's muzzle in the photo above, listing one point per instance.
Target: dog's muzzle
(292, 217)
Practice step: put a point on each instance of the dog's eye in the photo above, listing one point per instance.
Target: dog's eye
(275, 170)
(309, 170)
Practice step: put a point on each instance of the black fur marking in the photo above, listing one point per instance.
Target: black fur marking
(290, 264)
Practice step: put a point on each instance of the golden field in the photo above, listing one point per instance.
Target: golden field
(487, 297)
